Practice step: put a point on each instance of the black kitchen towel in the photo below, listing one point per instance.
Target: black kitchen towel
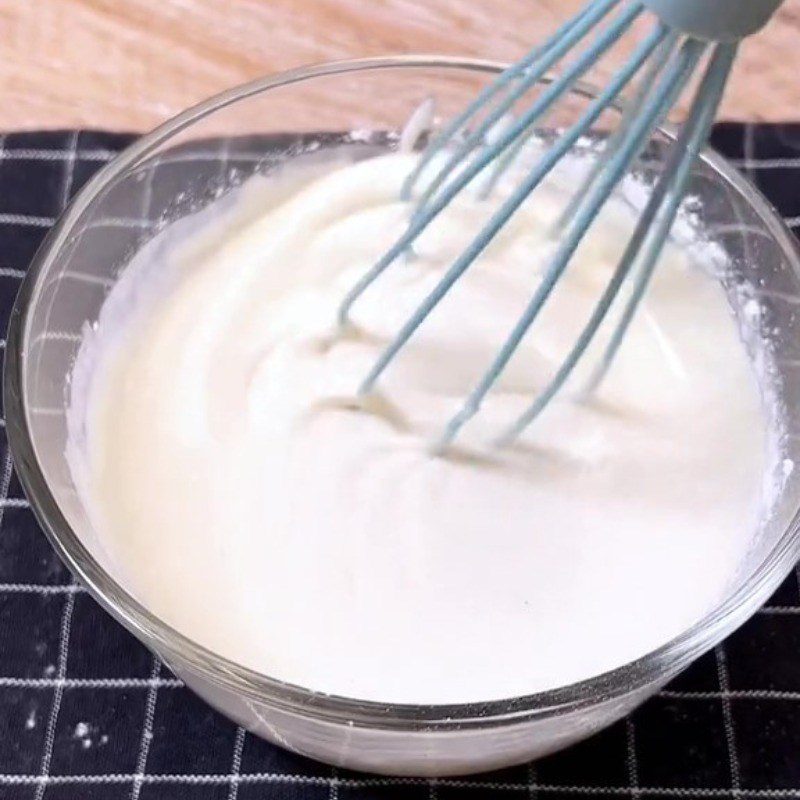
(87, 713)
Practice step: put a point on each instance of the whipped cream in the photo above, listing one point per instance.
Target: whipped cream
(253, 503)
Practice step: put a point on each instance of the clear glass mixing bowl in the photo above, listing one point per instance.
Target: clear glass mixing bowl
(192, 160)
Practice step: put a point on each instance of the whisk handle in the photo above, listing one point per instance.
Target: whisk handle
(718, 20)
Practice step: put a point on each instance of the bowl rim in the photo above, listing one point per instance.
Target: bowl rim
(644, 674)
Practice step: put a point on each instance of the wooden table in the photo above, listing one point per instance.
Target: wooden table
(129, 64)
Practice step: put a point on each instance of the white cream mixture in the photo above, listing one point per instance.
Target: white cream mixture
(251, 504)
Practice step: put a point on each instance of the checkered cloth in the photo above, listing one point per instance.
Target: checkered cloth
(87, 713)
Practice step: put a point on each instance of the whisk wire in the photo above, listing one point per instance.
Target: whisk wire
(583, 195)
(492, 134)
(441, 201)
(695, 134)
(650, 233)
(594, 11)
(504, 162)
(629, 109)
(500, 217)
(675, 77)
(533, 75)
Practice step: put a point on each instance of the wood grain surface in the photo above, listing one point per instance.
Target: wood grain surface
(129, 64)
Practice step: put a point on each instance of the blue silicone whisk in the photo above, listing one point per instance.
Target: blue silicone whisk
(688, 36)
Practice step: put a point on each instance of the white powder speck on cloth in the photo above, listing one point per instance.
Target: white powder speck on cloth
(81, 730)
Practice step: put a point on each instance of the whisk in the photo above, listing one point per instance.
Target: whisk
(688, 36)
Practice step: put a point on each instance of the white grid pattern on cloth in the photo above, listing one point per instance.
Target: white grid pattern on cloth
(177, 683)
(511, 787)
(58, 693)
(43, 154)
(147, 728)
(39, 588)
(61, 683)
(749, 151)
(236, 762)
(5, 484)
(727, 717)
(69, 603)
(99, 154)
(631, 760)
(92, 683)
(533, 792)
(333, 784)
(751, 164)
(37, 221)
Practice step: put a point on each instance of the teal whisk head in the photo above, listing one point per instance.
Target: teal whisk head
(689, 43)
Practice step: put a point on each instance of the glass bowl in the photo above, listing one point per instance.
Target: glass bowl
(191, 161)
